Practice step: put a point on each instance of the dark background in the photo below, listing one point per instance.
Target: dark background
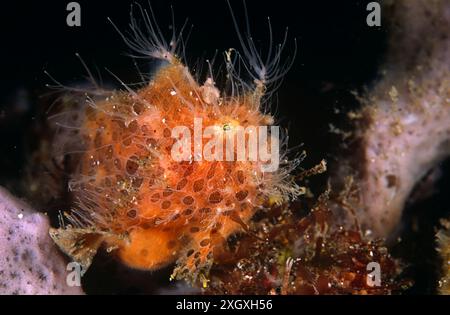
(337, 53)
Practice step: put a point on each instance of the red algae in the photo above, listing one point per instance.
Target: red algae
(309, 255)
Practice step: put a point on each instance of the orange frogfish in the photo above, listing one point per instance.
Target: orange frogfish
(167, 172)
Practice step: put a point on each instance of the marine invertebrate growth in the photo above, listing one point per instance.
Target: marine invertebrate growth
(443, 240)
(30, 263)
(148, 191)
(404, 125)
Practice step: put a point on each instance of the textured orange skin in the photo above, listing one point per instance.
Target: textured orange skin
(129, 183)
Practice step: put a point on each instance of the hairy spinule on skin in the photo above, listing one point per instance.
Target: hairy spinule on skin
(148, 208)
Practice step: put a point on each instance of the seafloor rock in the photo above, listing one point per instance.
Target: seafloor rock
(29, 260)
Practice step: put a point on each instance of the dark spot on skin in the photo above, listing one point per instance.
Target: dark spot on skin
(189, 171)
(195, 229)
(215, 197)
(152, 142)
(181, 184)
(171, 244)
(165, 204)
(133, 126)
(147, 225)
(244, 206)
(167, 192)
(205, 210)
(227, 213)
(241, 195)
(155, 197)
(132, 166)
(167, 133)
(240, 177)
(132, 213)
(127, 142)
(188, 200)
(198, 185)
(137, 182)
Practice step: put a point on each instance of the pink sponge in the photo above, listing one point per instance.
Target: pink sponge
(29, 261)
